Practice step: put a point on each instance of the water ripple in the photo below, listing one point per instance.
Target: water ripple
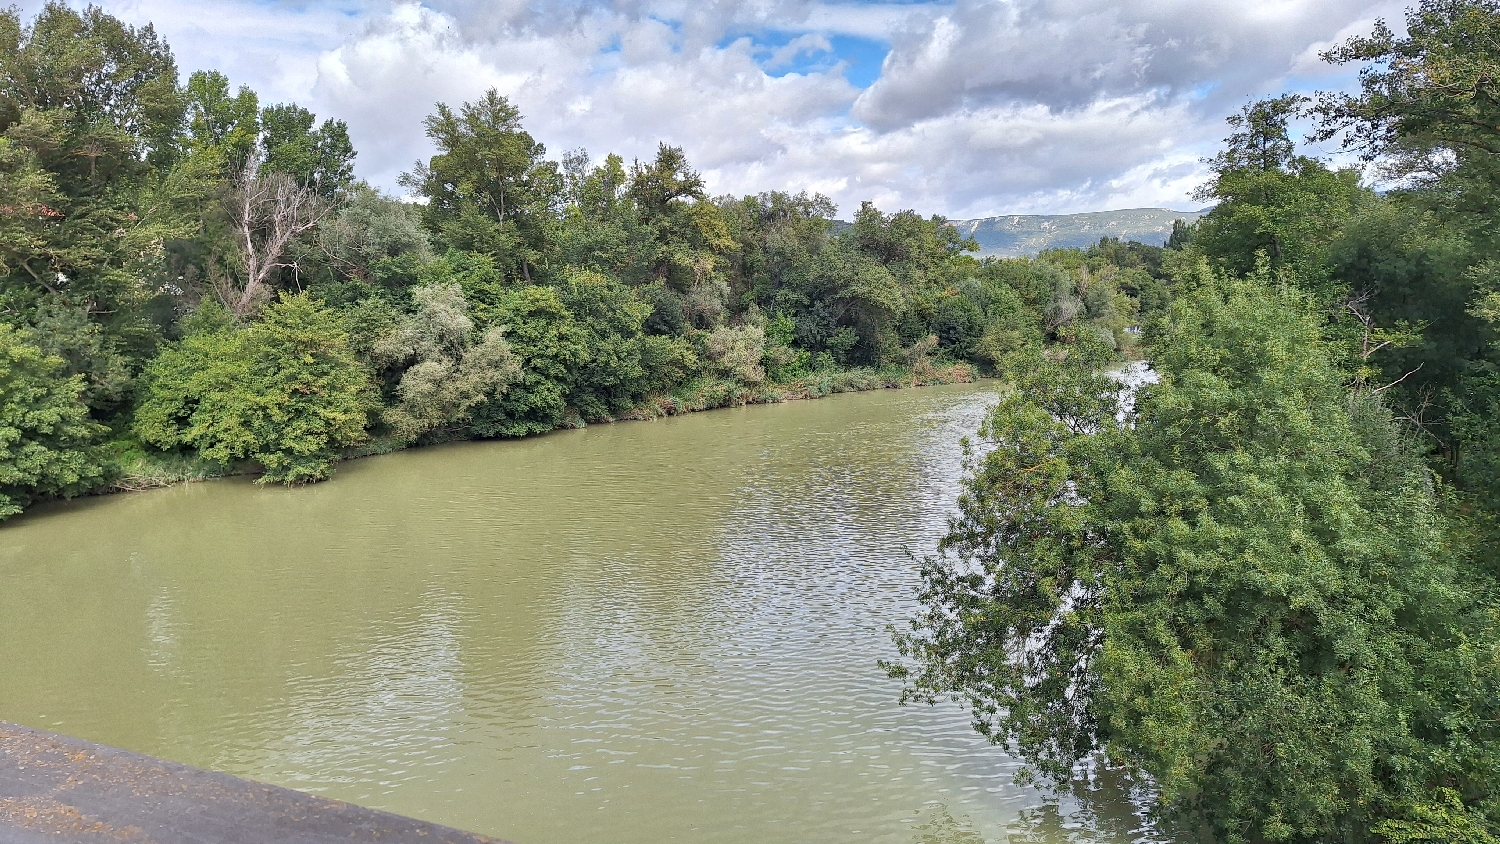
(632, 633)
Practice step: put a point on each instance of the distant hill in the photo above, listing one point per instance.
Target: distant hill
(1027, 234)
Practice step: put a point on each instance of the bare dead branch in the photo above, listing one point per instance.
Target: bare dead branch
(269, 210)
(1397, 381)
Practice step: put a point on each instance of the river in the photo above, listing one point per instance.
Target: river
(642, 632)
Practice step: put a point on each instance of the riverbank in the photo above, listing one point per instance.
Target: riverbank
(137, 469)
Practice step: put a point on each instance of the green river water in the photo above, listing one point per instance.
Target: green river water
(641, 632)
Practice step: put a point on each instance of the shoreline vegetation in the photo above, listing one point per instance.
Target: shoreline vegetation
(142, 470)
(193, 282)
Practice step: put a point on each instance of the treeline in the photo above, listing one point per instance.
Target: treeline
(193, 282)
(1270, 590)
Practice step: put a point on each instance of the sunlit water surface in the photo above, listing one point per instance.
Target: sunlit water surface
(641, 632)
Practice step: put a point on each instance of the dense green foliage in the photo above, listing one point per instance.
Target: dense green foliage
(285, 391)
(1267, 584)
(1253, 566)
(154, 231)
(45, 430)
(447, 370)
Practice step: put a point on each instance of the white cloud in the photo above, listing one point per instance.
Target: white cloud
(271, 46)
(619, 83)
(981, 106)
(1067, 53)
(808, 44)
(384, 82)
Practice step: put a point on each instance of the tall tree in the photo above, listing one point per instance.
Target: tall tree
(1272, 203)
(1242, 592)
(1429, 102)
(489, 188)
(269, 209)
(688, 233)
(319, 158)
(221, 127)
(1428, 112)
(90, 114)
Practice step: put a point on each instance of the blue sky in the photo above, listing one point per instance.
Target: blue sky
(966, 108)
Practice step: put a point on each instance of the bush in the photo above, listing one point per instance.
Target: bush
(543, 334)
(736, 353)
(611, 379)
(958, 324)
(286, 392)
(667, 362)
(448, 370)
(47, 440)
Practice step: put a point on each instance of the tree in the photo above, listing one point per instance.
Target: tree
(958, 322)
(447, 370)
(1273, 202)
(1010, 324)
(320, 160)
(1410, 280)
(221, 127)
(882, 278)
(600, 227)
(64, 331)
(1182, 234)
(489, 189)
(777, 235)
(863, 299)
(687, 233)
(1428, 111)
(905, 239)
(285, 392)
(660, 186)
(1240, 593)
(89, 120)
(47, 440)
(28, 219)
(1261, 141)
(370, 245)
(268, 210)
(1429, 104)
(1475, 425)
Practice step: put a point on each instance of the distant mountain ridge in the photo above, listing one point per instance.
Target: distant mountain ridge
(1014, 235)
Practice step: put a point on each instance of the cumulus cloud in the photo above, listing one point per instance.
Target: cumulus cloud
(980, 106)
(1067, 54)
(271, 45)
(609, 81)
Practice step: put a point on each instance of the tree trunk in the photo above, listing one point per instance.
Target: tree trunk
(269, 210)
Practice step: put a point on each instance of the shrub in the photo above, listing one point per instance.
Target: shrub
(448, 369)
(736, 353)
(286, 392)
(551, 346)
(47, 440)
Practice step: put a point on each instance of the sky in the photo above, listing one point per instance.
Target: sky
(967, 108)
